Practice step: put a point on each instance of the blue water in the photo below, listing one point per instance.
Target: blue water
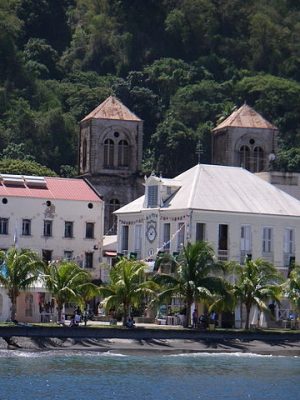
(81, 375)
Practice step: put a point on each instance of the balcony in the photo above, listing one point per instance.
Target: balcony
(223, 255)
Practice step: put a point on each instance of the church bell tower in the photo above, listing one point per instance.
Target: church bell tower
(110, 156)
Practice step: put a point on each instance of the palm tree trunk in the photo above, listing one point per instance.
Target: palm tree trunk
(125, 316)
(248, 309)
(59, 311)
(13, 309)
(188, 315)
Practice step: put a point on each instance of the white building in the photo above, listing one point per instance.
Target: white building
(234, 210)
(58, 218)
(237, 212)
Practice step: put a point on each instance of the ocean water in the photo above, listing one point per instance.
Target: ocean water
(69, 375)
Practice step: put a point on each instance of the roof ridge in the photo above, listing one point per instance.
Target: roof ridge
(112, 108)
(245, 116)
(193, 190)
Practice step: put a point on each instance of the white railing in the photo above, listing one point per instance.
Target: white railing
(223, 255)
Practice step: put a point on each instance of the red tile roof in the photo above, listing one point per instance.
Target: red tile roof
(112, 108)
(57, 188)
(245, 117)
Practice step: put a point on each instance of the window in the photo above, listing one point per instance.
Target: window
(47, 228)
(153, 196)
(267, 240)
(180, 235)
(68, 229)
(166, 236)
(109, 153)
(3, 226)
(246, 245)
(114, 204)
(200, 232)
(26, 227)
(47, 256)
(89, 230)
(245, 157)
(138, 238)
(289, 241)
(124, 237)
(84, 154)
(246, 238)
(289, 247)
(89, 260)
(258, 155)
(68, 255)
(123, 154)
(223, 237)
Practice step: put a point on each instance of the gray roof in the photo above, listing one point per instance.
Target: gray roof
(224, 189)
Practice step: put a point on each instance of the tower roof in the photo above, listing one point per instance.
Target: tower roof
(112, 108)
(245, 117)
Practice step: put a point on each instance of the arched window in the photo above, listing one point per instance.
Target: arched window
(245, 157)
(258, 156)
(84, 154)
(114, 204)
(123, 154)
(109, 153)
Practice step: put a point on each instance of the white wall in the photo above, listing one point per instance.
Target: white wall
(36, 210)
(212, 221)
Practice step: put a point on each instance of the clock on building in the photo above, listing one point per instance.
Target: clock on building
(151, 232)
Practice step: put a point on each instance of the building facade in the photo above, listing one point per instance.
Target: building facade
(58, 218)
(238, 213)
(110, 155)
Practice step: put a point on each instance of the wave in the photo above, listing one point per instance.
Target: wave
(221, 354)
(55, 353)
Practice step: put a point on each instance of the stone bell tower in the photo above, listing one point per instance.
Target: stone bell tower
(110, 156)
(245, 139)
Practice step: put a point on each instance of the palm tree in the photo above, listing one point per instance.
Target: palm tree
(67, 282)
(19, 269)
(195, 277)
(128, 287)
(256, 282)
(292, 287)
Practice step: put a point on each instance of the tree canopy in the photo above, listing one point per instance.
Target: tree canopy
(178, 64)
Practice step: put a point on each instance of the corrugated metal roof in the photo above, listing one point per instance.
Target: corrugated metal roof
(57, 188)
(226, 189)
(245, 117)
(112, 108)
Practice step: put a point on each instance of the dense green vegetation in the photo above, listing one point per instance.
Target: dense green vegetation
(180, 65)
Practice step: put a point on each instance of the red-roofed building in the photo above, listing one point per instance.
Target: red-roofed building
(59, 218)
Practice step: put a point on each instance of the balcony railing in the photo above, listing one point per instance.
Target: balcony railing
(223, 255)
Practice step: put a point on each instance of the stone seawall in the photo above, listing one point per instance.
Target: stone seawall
(140, 334)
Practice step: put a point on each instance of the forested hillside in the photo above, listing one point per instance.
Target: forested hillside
(180, 65)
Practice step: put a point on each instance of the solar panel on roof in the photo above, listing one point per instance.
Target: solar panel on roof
(15, 180)
(35, 181)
